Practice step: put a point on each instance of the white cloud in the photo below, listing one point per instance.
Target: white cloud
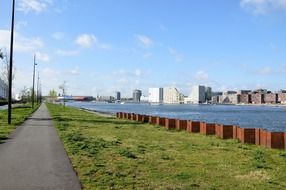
(144, 40)
(58, 35)
(67, 52)
(263, 6)
(201, 76)
(178, 57)
(21, 43)
(73, 72)
(34, 5)
(85, 40)
(89, 40)
(147, 55)
(42, 57)
(265, 71)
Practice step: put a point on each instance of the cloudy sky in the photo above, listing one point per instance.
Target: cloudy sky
(101, 46)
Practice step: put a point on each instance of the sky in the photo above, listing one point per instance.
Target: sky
(102, 46)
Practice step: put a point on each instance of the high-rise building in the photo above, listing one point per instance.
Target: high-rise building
(198, 94)
(137, 95)
(155, 95)
(208, 93)
(117, 96)
(171, 95)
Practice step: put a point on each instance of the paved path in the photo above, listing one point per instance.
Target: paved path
(34, 157)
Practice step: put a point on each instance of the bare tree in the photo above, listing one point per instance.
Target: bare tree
(5, 67)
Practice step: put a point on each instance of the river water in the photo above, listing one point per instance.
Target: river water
(272, 118)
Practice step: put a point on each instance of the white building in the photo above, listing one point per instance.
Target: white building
(3, 90)
(171, 95)
(198, 95)
(155, 95)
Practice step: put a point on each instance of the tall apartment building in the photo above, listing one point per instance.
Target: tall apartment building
(117, 96)
(137, 95)
(171, 95)
(155, 95)
(198, 95)
(208, 93)
(282, 98)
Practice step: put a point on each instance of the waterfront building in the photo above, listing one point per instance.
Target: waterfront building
(137, 95)
(144, 98)
(215, 99)
(245, 99)
(229, 99)
(117, 96)
(105, 98)
(257, 98)
(208, 93)
(282, 98)
(3, 89)
(271, 98)
(228, 92)
(198, 94)
(260, 91)
(155, 95)
(243, 91)
(171, 95)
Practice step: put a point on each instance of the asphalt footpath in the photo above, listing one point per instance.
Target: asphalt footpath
(34, 157)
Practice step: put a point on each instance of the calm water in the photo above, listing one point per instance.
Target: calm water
(272, 118)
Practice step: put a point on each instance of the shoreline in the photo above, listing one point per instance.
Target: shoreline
(100, 113)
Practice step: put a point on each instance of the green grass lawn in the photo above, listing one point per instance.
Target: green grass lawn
(109, 153)
(19, 114)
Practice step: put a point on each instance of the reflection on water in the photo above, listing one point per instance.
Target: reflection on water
(272, 118)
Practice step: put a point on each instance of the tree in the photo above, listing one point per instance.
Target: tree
(52, 95)
(5, 67)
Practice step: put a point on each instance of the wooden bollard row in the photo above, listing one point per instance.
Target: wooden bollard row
(256, 136)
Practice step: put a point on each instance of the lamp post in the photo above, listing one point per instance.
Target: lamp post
(11, 66)
(33, 89)
(38, 80)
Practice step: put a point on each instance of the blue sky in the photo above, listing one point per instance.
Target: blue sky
(102, 46)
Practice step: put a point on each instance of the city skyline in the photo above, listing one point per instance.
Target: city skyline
(100, 47)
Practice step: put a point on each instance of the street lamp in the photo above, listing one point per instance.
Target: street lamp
(11, 66)
(33, 89)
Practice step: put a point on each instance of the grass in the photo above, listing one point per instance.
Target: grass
(19, 114)
(108, 153)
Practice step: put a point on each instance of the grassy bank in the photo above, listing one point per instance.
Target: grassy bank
(19, 114)
(109, 153)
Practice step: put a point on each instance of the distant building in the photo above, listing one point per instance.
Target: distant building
(271, 98)
(117, 96)
(171, 95)
(208, 93)
(245, 99)
(257, 98)
(198, 95)
(3, 90)
(282, 98)
(144, 98)
(229, 99)
(105, 98)
(243, 91)
(228, 92)
(155, 95)
(260, 91)
(137, 95)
